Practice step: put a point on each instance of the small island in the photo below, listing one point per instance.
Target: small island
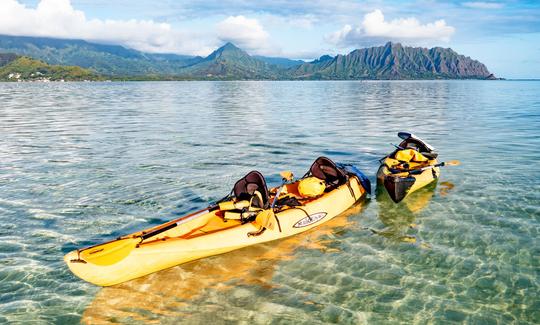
(25, 69)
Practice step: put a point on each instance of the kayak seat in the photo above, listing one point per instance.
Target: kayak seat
(252, 187)
(250, 195)
(325, 169)
(419, 145)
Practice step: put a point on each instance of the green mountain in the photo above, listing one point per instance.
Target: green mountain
(112, 60)
(230, 62)
(22, 68)
(393, 61)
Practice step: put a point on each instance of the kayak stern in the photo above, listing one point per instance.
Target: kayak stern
(398, 187)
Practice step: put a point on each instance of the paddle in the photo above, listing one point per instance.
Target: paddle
(116, 250)
(107, 253)
(420, 170)
(397, 147)
(265, 219)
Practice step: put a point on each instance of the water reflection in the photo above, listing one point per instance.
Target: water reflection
(399, 219)
(165, 294)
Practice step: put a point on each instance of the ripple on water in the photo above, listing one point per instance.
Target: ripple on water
(88, 162)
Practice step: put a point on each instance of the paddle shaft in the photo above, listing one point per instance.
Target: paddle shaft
(279, 192)
(277, 196)
(166, 226)
(418, 171)
(173, 223)
(275, 200)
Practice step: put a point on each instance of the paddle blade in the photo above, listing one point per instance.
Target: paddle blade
(404, 135)
(110, 253)
(287, 175)
(452, 163)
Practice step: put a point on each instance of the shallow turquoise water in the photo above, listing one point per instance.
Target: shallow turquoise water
(84, 162)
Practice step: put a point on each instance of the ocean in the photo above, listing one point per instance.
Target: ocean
(81, 163)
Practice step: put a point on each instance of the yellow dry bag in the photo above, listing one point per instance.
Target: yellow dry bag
(311, 187)
(407, 155)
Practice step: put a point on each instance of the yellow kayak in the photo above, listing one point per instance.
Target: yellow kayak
(230, 225)
(410, 167)
(253, 265)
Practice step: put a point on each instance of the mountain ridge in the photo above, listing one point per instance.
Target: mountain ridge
(392, 61)
(230, 62)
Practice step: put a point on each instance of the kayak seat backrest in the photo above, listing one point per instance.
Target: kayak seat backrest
(325, 169)
(419, 145)
(246, 188)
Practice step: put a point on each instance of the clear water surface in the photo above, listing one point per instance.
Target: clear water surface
(84, 162)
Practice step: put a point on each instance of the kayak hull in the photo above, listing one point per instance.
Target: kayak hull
(399, 186)
(210, 235)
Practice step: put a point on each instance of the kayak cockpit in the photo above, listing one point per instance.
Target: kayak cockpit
(250, 197)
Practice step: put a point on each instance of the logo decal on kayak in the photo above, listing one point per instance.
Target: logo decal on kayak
(311, 219)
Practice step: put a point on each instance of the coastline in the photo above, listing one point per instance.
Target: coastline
(144, 79)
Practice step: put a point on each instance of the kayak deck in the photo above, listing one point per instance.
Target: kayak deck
(401, 185)
(210, 234)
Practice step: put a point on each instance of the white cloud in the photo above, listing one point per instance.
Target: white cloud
(374, 28)
(483, 5)
(246, 33)
(58, 18)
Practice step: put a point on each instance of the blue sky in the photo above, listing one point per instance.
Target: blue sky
(505, 35)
